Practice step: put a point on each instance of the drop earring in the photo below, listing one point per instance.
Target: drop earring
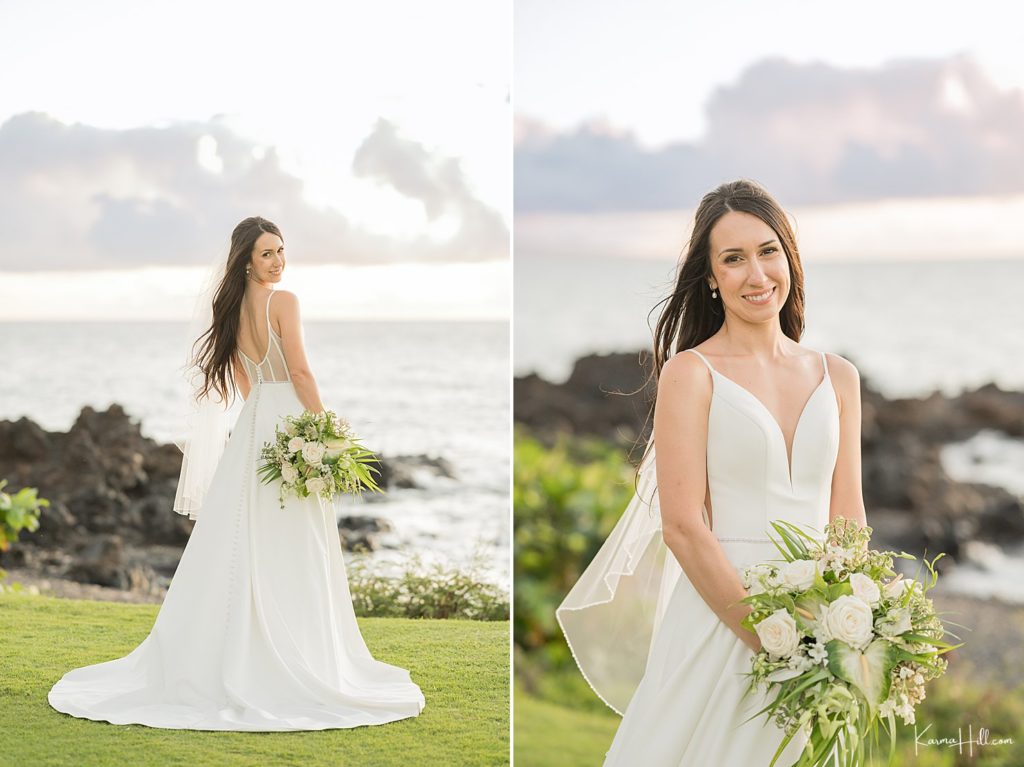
(714, 293)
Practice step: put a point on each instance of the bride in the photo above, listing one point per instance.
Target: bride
(749, 426)
(257, 630)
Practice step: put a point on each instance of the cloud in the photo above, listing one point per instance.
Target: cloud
(811, 133)
(80, 197)
(438, 183)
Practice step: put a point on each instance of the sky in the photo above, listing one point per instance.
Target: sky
(884, 129)
(136, 135)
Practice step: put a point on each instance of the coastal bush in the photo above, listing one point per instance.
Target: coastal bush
(420, 590)
(566, 500)
(18, 512)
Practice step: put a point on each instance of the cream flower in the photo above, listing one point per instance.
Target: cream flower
(865, 589)
(315, 485)
(295, 444)
(778, 633)
(798, 575)
(313, 452)
(897, 588)
(849, 620)
(895, 623)
(288, 473)
(336, 447)
(756, 576)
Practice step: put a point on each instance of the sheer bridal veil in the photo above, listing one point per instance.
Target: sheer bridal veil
(205, 418)
(611, 615)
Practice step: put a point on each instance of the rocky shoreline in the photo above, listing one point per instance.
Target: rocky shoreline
(110, 527)
(912, 503)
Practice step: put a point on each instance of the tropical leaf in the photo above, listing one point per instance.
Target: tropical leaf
(867, 671)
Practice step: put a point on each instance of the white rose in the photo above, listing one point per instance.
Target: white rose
(295, 444)
(313, 452)
(778, 633)
(849, 620)
(799, 574)
(865, 589)
(290, 429)
(315, 485)
(288, 473)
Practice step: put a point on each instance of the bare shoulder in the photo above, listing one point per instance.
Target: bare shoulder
(285, 299)
(845, 377)
(841, 368)
(284, 311)
(686, 376)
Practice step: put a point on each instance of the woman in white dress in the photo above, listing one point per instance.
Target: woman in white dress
(257, 631)
(749, 427)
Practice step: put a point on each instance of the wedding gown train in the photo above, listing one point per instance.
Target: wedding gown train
(689, 706)
(257, 630)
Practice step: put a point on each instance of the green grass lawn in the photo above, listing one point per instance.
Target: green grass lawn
(461, 666)
(560, 733)
(548, 734)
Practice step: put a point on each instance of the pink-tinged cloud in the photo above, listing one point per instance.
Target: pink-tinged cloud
(81, 197)
(811, 133)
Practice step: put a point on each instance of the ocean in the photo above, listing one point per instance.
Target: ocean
(911, 327)
(426, 387)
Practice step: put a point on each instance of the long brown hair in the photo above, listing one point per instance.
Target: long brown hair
(218, 344)
(690, 315)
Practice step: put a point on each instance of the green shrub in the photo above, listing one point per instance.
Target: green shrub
(18, 512)
(425, 591)
(567, 498)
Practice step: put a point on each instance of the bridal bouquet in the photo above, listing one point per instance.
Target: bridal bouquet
(846, 643)
(317, 454)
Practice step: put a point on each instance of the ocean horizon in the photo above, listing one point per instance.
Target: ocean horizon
(437, 388)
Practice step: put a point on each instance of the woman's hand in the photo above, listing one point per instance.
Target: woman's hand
(753, 641)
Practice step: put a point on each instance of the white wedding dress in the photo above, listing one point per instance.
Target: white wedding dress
(689, 705)
(257, 630)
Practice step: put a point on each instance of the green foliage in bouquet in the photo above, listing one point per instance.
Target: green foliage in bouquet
(317, 454)
(847, 644)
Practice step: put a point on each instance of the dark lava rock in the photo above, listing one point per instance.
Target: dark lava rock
(910, 499)
(111, 490)
(607, 395)
(101, 561)
(413, 471)
(363, 532)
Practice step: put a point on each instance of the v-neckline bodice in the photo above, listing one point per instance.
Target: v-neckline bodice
(788, 449)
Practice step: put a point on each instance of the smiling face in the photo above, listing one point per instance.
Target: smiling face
(267, 259)
(748, 263)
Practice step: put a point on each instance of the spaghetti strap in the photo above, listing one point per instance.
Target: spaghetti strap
(268, 311)
(702, 357)
(272, 367)
(824, 363)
